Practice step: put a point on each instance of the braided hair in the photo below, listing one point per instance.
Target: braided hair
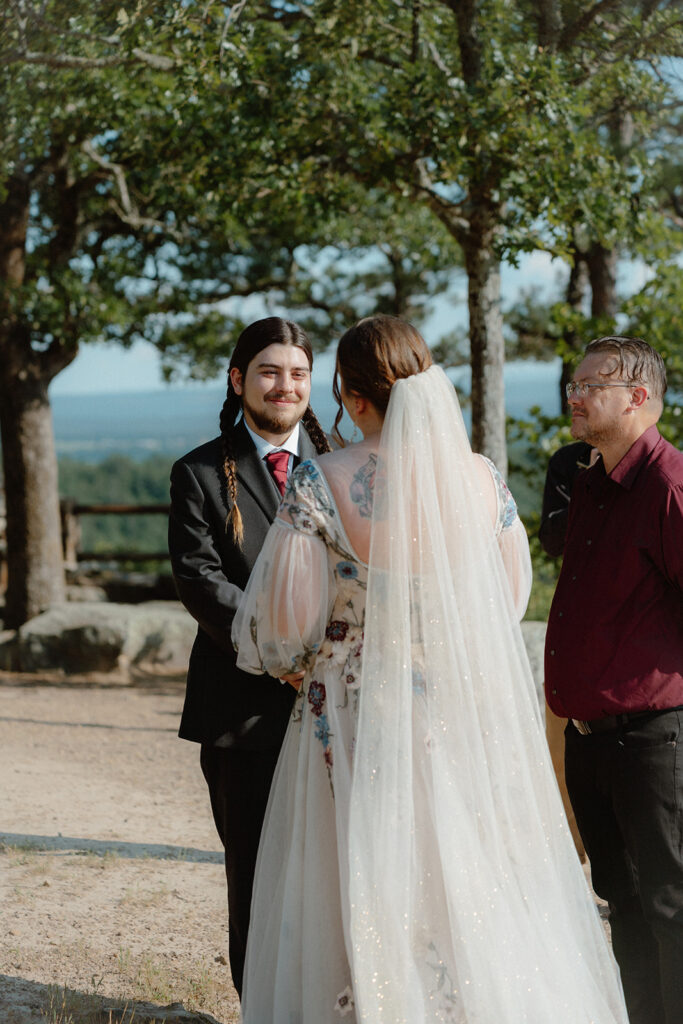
(270, 331)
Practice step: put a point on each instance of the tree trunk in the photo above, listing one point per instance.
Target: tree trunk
(487, 346)
(602, 262)
(602, 270)
(35, 570)
(576, 293)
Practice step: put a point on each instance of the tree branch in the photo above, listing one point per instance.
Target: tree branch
(232, 17)
(28, 23)
(676, 215)
(549, 21)
(56, 357)
(59, 60)
(438, 59)
(126, 210)
(450, 214)
(576, 29)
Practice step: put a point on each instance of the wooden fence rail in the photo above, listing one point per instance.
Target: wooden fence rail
(71, 511)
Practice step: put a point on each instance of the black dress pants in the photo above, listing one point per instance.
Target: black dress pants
(239, 783)
(626, 788)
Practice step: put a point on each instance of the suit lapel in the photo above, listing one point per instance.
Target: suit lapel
(253, 475)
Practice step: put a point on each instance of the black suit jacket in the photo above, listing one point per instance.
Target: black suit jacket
(563, 468)
(210, 572)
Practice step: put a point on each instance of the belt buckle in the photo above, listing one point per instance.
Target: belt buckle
(582, 727)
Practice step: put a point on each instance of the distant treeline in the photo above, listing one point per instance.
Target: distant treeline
(119, 480)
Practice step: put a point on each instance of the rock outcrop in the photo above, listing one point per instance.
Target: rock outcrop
(100, 637)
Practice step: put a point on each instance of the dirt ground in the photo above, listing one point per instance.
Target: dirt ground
(112, 890)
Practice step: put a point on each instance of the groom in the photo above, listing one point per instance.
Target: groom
(224, 496)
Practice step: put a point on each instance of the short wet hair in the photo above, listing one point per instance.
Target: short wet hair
(637, 362)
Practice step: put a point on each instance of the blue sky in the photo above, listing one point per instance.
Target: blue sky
(106, 369)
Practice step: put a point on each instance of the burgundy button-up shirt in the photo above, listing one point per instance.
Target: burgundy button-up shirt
(615, 630)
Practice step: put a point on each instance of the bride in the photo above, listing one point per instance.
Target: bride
(415, 863)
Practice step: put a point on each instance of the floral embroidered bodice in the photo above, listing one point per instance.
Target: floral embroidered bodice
(310, 508)
(334, 663)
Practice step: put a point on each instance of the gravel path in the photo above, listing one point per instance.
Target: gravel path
(111, 873)
(111, 876)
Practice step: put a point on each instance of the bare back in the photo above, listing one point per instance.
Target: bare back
(350, 476)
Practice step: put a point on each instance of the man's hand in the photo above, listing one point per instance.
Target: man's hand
(294, 679)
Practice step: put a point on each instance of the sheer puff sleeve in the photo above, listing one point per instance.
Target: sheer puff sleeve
(281, 620)
(513, 542)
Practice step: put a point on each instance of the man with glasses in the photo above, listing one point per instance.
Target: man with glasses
(614, 666)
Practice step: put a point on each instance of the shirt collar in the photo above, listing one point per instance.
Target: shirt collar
(264, 447)
(626, 470)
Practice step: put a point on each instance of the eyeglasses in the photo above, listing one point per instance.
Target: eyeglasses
(580, 388)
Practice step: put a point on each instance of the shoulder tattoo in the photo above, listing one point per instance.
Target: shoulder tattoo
(362, 486)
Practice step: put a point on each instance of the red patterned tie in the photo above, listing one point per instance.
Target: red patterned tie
(277, 464)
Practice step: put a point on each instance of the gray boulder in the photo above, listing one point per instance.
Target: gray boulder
(148, 1013)
(107, 638)
(85, 592)
(127, 639)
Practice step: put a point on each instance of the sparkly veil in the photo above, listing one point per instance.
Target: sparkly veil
(468, 902)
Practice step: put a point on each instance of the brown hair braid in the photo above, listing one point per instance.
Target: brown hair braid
(229, 413)
(315, 432)
(272, 330)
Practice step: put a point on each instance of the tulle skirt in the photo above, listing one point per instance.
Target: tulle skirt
(297, 969)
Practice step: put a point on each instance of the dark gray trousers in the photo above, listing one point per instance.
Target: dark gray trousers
(239, 785)
(626, 788)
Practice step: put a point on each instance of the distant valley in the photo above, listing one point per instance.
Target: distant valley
(169, 422)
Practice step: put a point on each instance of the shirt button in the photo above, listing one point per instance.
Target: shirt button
(589, 542)
(552, 654)
(554, 693)
(601, 506)
(573, 577)
(560, 614)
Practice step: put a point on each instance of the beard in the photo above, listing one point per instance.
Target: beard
(608, 433)
(276, 422)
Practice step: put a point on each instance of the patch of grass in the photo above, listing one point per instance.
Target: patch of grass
(124, 960)
(107, 859)
(151, 979)
(68, 1007)
(201, 990)
(139, 899)
(20, 854)
(39, 865)
(23, 895)
(545, 573)
(542, 591)
(154, 981)
(28, 846)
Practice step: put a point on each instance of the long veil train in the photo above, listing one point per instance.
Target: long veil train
(467, 899)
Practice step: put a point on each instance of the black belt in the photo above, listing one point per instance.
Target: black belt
(611, 722)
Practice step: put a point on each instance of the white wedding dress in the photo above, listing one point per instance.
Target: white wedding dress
(415, 864)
